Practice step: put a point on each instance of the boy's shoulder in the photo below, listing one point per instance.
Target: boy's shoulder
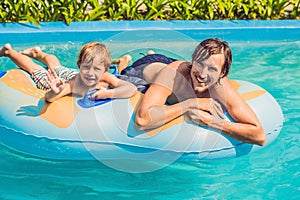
(73, 81)
(108, 76)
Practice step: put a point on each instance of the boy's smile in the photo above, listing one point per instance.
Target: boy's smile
(91, 73)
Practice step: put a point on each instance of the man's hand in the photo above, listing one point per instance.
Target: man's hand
(206, 112)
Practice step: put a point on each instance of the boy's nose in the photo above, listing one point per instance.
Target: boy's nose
(90, 71)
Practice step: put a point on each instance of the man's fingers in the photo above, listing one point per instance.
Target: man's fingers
(196, 116)
(218, 109)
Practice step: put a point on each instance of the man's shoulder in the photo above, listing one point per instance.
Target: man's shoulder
(179, 64)
(184, 66)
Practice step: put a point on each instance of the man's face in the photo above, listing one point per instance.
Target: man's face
(206, 73)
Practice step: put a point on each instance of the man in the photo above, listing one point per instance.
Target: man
(195, 89)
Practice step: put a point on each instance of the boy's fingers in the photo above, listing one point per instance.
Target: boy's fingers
(47, 81)
(54, 74)
(48, 76)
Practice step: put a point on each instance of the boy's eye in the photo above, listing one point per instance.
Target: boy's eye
(84, 66)
(99, 68)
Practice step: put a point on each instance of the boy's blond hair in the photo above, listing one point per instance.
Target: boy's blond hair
(92, 50)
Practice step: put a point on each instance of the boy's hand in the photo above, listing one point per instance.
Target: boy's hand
(101, 93)
(55, 82)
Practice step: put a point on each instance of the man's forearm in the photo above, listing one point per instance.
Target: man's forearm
(157, 115)
(248, 133)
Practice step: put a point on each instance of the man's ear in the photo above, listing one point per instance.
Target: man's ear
(222, 75)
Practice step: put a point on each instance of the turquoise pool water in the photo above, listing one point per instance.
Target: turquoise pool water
(270, 173)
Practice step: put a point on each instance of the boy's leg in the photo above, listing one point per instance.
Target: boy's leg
(51, 61)
(23, 61)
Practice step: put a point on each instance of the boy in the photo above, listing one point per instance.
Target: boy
(93, 63)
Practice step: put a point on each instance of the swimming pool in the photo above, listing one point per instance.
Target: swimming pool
(264, 52)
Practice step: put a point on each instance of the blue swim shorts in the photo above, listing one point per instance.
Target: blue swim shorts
(134, 73)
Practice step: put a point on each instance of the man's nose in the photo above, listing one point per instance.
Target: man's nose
(203, 72)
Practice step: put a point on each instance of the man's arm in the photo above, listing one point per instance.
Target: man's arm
(151, 112)
(246, 126)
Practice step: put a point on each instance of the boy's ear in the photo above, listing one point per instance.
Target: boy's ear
(78, 64)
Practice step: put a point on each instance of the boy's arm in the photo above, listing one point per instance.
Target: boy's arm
(52, 96)
(58, 87)
(120, 88)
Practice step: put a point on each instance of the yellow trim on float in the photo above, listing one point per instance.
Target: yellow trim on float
(252, 94)
(66, 108)
(62, 112)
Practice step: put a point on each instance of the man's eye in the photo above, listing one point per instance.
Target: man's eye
(213, 69)
(198, 65)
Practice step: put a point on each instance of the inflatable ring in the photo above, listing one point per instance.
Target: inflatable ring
(80, 129)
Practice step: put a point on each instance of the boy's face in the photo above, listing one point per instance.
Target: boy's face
(91, 72)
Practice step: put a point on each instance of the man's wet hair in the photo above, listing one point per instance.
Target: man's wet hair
(210, 47)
